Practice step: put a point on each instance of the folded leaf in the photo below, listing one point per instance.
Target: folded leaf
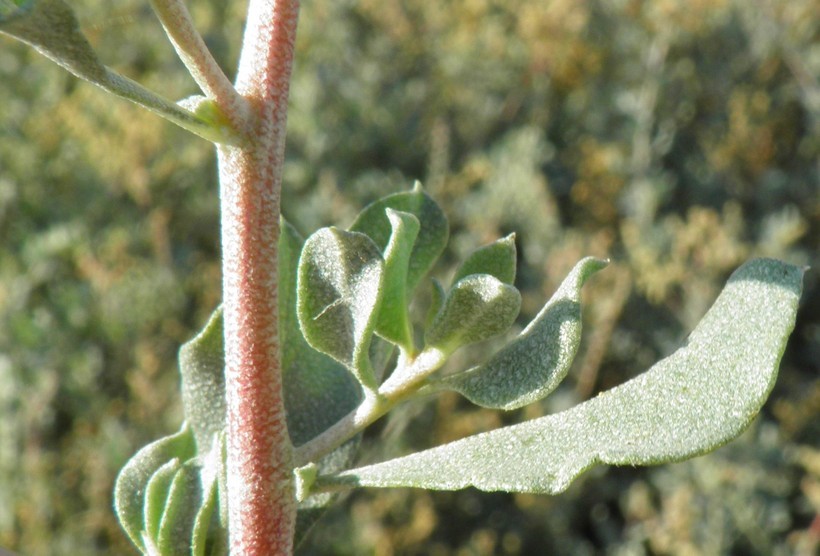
(156, 496)
(496, 259)
(131, 486)
(338, 295)
(694, 401)
(393, 321)
(432, 237)
(531, 366)
(185, 497)
(478, 307)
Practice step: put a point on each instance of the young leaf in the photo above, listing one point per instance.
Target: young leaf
(184, 501)
(695, 400)
(432, 237)
(156, 496)
(496, 259)
(532, 365)
(338, 295)
(478, 307)
(132, 482)
(393, 321)
(207, 531)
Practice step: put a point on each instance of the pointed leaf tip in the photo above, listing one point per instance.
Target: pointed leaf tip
(695, 400)
(432, 236)
(478, 307)
(496, 259)
(531, 366)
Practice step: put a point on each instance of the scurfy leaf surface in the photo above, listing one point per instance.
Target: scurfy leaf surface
(432, 236)
(478, 307)
(695, 400)
(533, 364)
(338, 295)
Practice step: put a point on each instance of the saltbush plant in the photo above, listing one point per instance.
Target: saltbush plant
(316, 338)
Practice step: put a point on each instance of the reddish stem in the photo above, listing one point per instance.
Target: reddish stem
(262, 507)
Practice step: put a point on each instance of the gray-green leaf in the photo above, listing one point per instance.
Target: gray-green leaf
(338, 295)
(131, 486)
(531, 366)
(496, 259)
(51, 27)
(478, 307)
(432, 237)
(202, 366)
(318, 390)
(695, 400)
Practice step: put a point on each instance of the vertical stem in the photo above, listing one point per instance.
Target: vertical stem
(261, 504)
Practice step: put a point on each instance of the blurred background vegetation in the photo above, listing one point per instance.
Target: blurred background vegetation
(677, 137)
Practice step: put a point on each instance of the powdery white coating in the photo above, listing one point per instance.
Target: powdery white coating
(202, 366)
(339, 290)
(478, 307)
(433, 232)
(532, 365)
(262, 510)
(694, 401)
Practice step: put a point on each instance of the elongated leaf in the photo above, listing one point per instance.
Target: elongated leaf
(338, 294)
(202, 366)
(51, 27)
(694, 401)
(496, 259)
(394, 321)
(531, 366)
(131, 485)
(432, 237)
(478, 307)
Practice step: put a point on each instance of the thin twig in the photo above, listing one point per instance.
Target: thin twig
(179, 26)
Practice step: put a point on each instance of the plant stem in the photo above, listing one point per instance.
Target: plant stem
(178, 25)
(261, 500)
(403, 383)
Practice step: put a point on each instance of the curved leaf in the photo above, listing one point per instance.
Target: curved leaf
(131, 486)
(393, 321)
(694, 401)
(338, 293)
(531, 366)
(156, 496)
(185, 498)
(318, 390)
(432, 237)
(496, 259)
(478, 307)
